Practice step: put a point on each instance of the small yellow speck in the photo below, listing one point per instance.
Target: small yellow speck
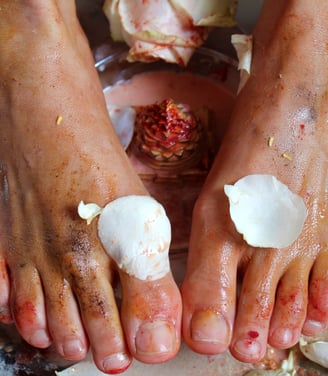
(287, 156)
(59, 119)
(271, 140)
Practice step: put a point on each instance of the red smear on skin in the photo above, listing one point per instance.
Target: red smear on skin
(26, 313)
(294, 303)
(302, 129)
(253, 334)
(119, 370)
(249, 342)
(317, 301)
(3, 272)
(6, 318)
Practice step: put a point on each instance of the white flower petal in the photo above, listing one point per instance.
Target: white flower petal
(287, 368)
(208, 13)
(88, 211)
(136, 233)
(110, 9)
(179, 26)
(265, 211)
(243, 45)
(123, 119)
(317, 351)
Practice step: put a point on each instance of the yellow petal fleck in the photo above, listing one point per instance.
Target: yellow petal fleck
(59, 119)
(287, 156)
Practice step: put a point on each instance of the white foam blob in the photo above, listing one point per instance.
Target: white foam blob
(265, 211)
(136, 232)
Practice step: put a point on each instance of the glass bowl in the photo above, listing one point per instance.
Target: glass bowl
(209, 82)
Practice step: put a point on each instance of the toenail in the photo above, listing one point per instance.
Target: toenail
(156, 337)
(207, 326)
(40, 338)
(283, 336)
(72, 347)
(248, 348)
(312, 327)
(116, 363)
(314, 323)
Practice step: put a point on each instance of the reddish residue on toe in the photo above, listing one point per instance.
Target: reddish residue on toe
(319, 299)
(3, 271)
(253, 334)
(120, 370)
(26, 313)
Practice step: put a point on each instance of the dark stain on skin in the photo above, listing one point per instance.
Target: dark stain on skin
(92, 302)
(80, 242)
(98, 306)
(78, 260)
(82, 266)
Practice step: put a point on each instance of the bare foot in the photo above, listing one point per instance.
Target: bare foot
(283, 291)
(57, 147)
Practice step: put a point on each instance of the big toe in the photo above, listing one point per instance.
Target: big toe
(209, 287)
(151, 317)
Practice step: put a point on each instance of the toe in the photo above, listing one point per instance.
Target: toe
(317, 314)
(290, 309)
(29, 306)
(64, 320)
(255, 306)
(151, 317)
(90, 283)
(209, 288)
(102, 324)
(5, 313)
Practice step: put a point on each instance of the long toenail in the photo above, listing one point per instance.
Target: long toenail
(156, 337)
(116, 363)
(40, 338)
(248, 347)
(72, 348)
(207, 326)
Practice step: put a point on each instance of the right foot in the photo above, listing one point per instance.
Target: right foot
(55, 278)
(283, 291)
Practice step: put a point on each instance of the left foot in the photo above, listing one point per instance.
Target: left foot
(285, 98)
(57, 147)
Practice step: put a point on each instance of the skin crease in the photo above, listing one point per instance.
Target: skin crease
(284, 292)
(55, 277)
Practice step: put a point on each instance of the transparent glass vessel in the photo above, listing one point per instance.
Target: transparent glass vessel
(176, 182)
